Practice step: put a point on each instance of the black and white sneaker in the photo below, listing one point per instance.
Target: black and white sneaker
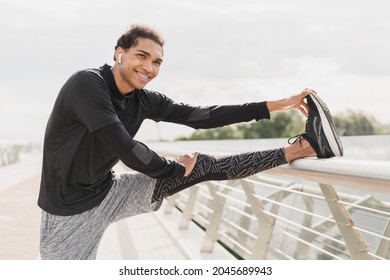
(320, 130)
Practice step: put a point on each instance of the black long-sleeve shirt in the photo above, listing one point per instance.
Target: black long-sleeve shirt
(92, 126)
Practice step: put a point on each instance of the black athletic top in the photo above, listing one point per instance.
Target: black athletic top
(92, 126)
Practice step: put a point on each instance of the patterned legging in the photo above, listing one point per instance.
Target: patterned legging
(229, 167)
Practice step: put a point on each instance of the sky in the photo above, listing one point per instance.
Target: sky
(216, 52)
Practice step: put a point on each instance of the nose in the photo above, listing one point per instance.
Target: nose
(147, 66)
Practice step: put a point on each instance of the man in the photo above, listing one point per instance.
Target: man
(94, 119)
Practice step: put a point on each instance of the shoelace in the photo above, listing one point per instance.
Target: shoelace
(294, 139)
(298, 137)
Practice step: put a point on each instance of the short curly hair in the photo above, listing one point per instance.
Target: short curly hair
(129, 38)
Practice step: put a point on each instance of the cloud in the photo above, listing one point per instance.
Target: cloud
(222, 51)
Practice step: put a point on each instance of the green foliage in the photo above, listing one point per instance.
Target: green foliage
(291, 123)
(282, 124)
(357, 123)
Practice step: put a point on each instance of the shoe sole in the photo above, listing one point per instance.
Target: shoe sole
(328, 126)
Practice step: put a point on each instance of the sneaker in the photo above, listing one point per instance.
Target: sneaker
(320, 130)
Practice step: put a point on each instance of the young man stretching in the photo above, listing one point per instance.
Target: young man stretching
(94, 119)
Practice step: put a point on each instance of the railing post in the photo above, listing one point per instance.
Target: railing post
(302, 249)
(353, 239)
(212, 229)
(188, 209)
(3, 154)
(171, 203)
(14, 153)
(266, 224)
(383, 249)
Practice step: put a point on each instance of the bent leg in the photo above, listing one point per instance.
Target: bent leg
(77, 237)
(229, 167)
(70, 237)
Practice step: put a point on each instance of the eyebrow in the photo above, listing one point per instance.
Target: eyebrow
(148, 54)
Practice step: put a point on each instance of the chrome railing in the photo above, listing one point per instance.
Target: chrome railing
(310, 209)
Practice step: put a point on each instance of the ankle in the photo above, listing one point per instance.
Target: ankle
(300, 149)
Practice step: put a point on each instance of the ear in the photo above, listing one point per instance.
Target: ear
(118, 55)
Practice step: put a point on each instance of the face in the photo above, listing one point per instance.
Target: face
(139, 65)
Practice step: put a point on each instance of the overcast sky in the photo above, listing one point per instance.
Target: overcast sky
(216, 52)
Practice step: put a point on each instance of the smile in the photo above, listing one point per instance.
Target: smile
(142, 76)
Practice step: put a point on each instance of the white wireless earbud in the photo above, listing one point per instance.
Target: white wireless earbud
(120, 58)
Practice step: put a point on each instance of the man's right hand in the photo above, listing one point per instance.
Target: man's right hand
(293, 102)
(188, 161)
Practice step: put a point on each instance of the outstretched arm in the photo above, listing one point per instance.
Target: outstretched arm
(217, 116)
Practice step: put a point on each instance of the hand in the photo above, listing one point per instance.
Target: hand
(294, 102)
(188, 161)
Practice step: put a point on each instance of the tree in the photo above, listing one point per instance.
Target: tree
(281, 124)
(354, 123)
(291, 123)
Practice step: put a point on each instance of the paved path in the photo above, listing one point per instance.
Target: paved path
(19, 213)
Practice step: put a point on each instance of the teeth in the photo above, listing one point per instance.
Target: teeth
(143, 76)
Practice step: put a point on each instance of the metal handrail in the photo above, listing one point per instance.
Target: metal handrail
(282, 214)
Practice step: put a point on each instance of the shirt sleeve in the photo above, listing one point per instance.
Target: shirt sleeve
(137, 155)
(88, 100)
(207, 116)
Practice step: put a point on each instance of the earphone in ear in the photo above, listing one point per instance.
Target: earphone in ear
(120, 58)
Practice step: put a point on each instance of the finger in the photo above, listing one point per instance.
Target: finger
(312, 91)
(190, 163)
(303, 94)
(308, 91)
(304, 111)
(305, 106)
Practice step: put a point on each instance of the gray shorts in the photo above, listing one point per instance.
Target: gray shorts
(77, 237)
